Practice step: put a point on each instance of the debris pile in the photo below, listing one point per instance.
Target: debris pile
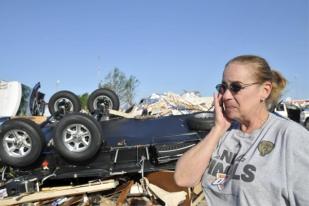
(172, 104)
(156, 188)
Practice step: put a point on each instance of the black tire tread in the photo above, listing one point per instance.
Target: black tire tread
(35, 133)
(64, 94)
(200, 124)
(94, 128)
(103, 91)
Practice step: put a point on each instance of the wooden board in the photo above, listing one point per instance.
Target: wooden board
(36, 119)
(121, 114)
(54, 193)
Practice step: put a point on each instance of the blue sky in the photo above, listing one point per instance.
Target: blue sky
(168, 45)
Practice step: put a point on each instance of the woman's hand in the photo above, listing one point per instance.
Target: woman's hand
(221, 121)
(192, 165)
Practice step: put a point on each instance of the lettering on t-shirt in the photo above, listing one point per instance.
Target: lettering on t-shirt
(228, 163)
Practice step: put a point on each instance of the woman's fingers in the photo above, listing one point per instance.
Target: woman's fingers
(220, 119)
(217, 100)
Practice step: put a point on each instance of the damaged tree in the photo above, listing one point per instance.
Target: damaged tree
(122, 85)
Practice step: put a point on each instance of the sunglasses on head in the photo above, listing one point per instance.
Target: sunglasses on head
(234, 87)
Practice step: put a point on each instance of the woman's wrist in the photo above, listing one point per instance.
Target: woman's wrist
(218, 130)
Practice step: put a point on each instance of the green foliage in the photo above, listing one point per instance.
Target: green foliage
(124, 86)
(83, 100)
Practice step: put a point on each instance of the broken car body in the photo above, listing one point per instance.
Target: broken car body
(71, 144)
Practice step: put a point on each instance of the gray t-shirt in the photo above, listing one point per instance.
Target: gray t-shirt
(267, 167)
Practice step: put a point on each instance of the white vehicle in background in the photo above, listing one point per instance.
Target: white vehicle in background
(304, 116)
(17, 99)
(282, 110)
(289, 110)
(297, 113)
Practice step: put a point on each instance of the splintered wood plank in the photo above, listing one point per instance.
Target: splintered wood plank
(121, 114)
(36, 119)
(43, 195)
(123, 195)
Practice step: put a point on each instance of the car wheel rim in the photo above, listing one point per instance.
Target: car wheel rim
(102, 101)
(63, 104)
(17, 143)
(76, 138)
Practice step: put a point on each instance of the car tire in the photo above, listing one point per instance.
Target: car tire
(202, 121)
(78, 137)
(21, 142)
(103, 96)
(66, 99)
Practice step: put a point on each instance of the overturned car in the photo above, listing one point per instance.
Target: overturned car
(72, 144)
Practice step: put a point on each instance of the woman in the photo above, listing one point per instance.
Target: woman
(250, 156)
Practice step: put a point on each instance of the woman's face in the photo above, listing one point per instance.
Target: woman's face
(246, 102)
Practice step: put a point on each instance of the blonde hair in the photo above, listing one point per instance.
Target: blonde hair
(263, 73)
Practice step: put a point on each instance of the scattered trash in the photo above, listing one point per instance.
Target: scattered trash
(3, 193)
(59, 201)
